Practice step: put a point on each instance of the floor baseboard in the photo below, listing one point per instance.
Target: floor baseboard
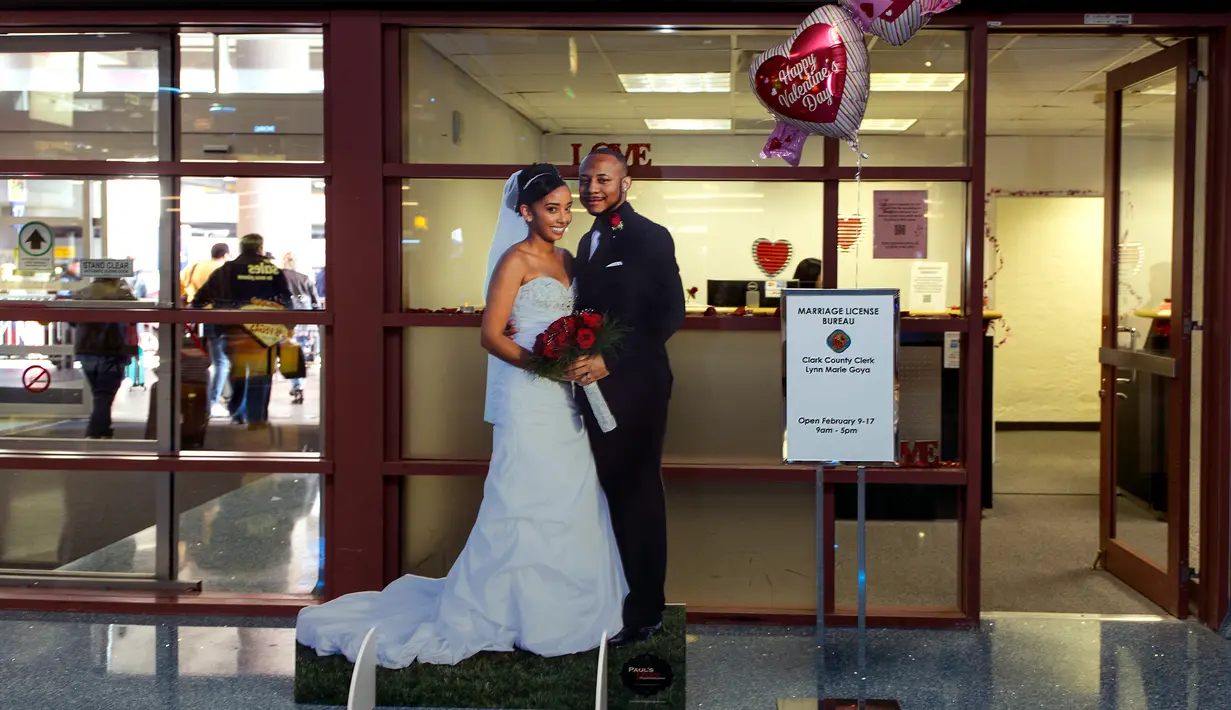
(1047, 426)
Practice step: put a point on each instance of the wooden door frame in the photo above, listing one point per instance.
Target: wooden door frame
(1167, 587)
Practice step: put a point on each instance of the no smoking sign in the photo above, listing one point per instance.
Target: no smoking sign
(36, 379)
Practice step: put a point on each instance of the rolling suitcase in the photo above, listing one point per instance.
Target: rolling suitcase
(194, 407)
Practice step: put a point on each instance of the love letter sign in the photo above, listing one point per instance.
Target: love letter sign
(817, 80)
(895, 21)
(771, 257)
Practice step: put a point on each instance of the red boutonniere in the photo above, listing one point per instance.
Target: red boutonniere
(616, 223)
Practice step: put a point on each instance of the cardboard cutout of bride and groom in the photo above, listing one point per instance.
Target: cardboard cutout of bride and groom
(570, 544)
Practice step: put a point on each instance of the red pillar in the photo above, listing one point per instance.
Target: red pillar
(354, 499)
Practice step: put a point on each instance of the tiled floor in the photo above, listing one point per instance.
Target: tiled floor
(1012, 663)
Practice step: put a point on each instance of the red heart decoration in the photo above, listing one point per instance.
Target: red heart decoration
(771, 257)
(807, 84)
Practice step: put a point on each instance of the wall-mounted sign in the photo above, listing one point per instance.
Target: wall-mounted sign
(841, 376)
(771, 257)
(900, 226)
(1104, 19)
(107, 268)
(35, 247)
(637, 154)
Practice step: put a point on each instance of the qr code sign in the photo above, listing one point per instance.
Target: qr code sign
(927, 298)
(899, 230)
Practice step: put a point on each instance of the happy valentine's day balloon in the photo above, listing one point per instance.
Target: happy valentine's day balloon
(895, 21)
(817, 80)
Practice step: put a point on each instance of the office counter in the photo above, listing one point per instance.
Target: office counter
(741, 525)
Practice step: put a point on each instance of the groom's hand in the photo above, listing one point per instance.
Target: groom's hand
(510, 330)
(588, 369)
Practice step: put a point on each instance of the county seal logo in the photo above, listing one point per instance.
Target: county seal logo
(838, 341)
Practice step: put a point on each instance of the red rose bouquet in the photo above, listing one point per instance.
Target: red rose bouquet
(569, 339)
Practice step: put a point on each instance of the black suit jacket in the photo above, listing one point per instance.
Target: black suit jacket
(634, 278)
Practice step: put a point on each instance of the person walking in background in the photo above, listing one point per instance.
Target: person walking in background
(104, 350)
(303, 298)
(191, 281)
(195, 276)
(249, 279)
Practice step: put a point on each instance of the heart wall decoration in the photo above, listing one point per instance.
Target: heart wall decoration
(817, 81)
(895, 21)
(771, 257)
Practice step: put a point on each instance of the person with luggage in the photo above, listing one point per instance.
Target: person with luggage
(249, 280)
(191, 281)
(104, 351)
(303, 298)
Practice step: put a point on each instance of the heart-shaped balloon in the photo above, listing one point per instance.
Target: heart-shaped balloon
(771, 257)
(817, 81)
(895, 21)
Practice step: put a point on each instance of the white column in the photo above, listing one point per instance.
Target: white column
(278, 209)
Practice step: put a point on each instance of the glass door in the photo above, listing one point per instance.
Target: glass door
(1147, 324)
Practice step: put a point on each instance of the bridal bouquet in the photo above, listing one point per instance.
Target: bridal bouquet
(567, 340)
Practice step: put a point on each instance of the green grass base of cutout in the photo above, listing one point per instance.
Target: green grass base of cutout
(504, 680)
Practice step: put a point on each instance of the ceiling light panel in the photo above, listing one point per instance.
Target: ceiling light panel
(697, 83)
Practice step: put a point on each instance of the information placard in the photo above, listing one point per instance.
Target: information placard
(841, 349)
(107, 268)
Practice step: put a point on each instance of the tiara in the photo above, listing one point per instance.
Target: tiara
(531, 180)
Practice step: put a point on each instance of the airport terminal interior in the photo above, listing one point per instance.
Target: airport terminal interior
(1054, 627)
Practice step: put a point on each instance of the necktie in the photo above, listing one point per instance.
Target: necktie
(594, 237)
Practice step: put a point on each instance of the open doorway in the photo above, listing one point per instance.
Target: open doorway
(1092, 384)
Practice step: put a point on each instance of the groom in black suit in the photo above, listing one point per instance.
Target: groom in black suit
(625, 268)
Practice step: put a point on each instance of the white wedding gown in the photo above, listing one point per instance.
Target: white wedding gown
(540, 570)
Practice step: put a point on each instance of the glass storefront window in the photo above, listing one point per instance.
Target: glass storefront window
(447, 227)
(80, 97)
(77, 521)
(289, 213)
(250, 533)
(238, 395)
(252, 97)
(926, 266)
(916, 113)
(516, 97)
(89, 219)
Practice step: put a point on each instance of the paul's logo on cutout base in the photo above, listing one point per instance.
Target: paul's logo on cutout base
(647, 674)
(838, 341)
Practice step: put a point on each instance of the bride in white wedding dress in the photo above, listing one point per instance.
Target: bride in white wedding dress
(540, 570)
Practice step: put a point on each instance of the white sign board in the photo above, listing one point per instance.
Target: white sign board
(107, 268)
(35, 247)
(929, 282)
(841, 376)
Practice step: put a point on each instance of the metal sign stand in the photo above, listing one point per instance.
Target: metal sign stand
(838, 341)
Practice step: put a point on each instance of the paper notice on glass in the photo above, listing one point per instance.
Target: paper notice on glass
(929, 282)
(953, 351)
(900, 224)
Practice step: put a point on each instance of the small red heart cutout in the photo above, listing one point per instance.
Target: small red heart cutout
(771, 257)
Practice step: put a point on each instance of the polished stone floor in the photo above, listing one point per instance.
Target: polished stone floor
(1014, 662)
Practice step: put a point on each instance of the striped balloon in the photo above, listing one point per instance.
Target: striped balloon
(817, 81)
(895, 21)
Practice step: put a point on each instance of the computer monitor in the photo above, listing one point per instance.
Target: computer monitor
(722, 293)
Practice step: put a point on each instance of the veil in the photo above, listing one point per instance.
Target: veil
(510, 229)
